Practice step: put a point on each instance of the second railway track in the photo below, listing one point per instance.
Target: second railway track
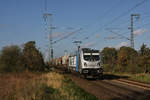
(110, 90)
(114, 89)
(134, 83)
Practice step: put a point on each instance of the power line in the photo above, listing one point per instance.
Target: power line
(143, 25)
(128, 11)
(122, 36)
(122, 15)
(146, 12)
(68, 35)
(108, 11)
(103, 16)
(145, 18)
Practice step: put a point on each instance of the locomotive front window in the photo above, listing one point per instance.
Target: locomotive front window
(95, 57)
(87, 57)
(91, 57)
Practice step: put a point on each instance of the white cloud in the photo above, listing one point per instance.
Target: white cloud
(140, 31)
(122, 44)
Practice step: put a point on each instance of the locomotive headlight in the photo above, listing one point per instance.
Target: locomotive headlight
(100, 70)
(85, 64)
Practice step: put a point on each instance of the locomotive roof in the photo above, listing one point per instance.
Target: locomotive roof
(88, 50)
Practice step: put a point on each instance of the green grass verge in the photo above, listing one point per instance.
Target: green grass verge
(77, 92)
(142, 77)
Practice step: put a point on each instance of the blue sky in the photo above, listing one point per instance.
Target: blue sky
(22, 21)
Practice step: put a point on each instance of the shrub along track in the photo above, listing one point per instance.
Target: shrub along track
(114, 89)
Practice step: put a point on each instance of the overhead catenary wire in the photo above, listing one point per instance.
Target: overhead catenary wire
(119, 17)
(109, 10)
(144, 18)
(135, 27)
(120, 35)
(142, 25)
(128, 11)
(122, 15)
(128, 31)
(101, 17)
(68, 35)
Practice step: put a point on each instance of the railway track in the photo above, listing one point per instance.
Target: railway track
(134, 83)
(117, 91)
(114, 89)
(125, 91)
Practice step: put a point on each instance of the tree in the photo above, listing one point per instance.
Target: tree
(144, 58)
(143, 49)
(11, 59)
(33, 57)
(127, 58)
(109, 57)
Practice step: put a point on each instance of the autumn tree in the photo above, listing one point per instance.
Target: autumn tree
(144, 59)
(33, 57)
(11, 59)
(143, 49)
(127, 58)
(109, 57)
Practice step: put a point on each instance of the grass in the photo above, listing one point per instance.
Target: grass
(40, 86)
(76, 92)
(142, 77)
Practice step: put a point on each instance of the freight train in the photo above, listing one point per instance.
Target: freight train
(87, 62)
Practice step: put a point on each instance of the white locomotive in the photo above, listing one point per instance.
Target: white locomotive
(87, 62)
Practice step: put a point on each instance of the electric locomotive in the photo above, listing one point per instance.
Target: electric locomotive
(87, 62)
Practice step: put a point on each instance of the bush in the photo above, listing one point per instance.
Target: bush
(33, 57)
(75, 91)
(126, 59)
(11, 59)
(108, 68)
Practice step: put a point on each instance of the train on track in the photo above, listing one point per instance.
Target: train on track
(87, 62)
